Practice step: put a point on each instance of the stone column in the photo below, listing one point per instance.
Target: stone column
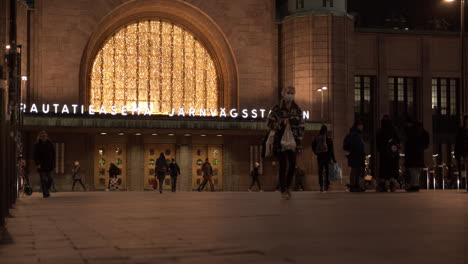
(135, 163)
(184, 159)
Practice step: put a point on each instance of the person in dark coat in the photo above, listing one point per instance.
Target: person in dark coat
(388, 147)
(354, 146)
(207, 171)
(114, 171)
(255, 174)
(44, 157)
(286, 114)
(161, 170)
(323, 148)
(175, 172)
(417, 140)
(461, 146)
(77, 175)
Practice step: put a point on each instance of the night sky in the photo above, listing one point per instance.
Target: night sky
(417, 12)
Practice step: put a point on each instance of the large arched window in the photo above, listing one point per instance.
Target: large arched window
(156, 64)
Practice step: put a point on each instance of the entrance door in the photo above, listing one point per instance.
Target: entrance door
(104, 155)
(215, 155)
(152, 152)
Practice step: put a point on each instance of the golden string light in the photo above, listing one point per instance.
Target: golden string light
(153, 63)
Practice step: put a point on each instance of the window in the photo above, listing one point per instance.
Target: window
(325, 2)
(59, 158)
(154, 64)
(299, 4)
(363, 104)
(402, 97)
(362, 94)
(444, 97)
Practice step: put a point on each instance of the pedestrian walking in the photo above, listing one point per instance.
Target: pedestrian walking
(76, 175)
(287, 123)
(417, 140)
(461, 148)
(114, 172)
(207, 171)
(354, 146)
(255, 174)
(322, 146)
(161, 170)
(175, 172)
(44, 157)
(388, 147)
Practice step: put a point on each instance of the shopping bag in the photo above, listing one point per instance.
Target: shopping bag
(269, 144)
(335, 172)
(287, 141)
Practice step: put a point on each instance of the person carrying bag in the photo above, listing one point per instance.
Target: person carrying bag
(287, 123)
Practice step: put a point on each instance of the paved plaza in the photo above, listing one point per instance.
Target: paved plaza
(146, 227)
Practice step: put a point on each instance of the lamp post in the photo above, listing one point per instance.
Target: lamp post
(321, 91)
(462, 66)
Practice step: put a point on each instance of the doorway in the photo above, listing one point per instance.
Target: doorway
(104, 155)
(152, 152)
(215, 155)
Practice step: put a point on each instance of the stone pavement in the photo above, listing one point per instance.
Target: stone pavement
(146, 227)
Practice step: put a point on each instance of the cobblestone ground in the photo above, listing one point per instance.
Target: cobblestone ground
(146, 227)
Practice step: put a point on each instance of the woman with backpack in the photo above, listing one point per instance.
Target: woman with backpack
(161, 170)
(323, 148)
(388, 146)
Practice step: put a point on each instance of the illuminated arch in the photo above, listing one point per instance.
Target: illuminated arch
(181, 16)
(155, 64)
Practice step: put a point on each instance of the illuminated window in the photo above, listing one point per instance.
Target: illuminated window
(153, 64)
(444, 97)
(402, 97)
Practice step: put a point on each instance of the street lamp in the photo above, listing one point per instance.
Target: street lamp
(462, 51)
(321, 91)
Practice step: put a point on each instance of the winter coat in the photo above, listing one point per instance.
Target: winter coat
(388, 159)
(114, 171)
(461, 144)
(354, 145)
(327, 156)
(44, 155)
(76, 173)
(254, 173)
(207, 170)
(296, 121)
(161, 167)
(175, 170)
(417, 140)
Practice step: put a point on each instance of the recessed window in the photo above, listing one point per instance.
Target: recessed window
(402, 97)
(444, 97)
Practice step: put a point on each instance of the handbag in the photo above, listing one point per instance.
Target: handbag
(335, 172)
(287, 141)
(269, 144)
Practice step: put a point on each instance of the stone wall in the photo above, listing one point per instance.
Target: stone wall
(62, 29)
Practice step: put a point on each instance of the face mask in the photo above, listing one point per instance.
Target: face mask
(289, 97)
